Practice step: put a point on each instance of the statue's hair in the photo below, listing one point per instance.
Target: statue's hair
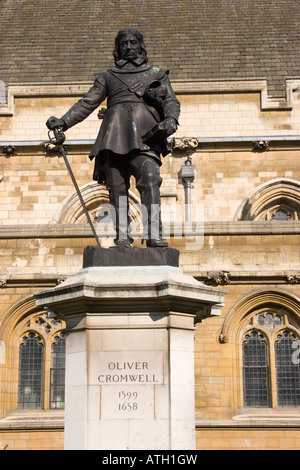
(138, 36)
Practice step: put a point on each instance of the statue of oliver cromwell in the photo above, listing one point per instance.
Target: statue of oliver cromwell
(142, 111)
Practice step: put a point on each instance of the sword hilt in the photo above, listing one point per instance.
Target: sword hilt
(58, 136)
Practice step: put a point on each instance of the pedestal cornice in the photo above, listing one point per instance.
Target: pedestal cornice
(132, 289)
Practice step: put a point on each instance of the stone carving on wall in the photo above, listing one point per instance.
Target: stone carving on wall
(223, 338)
(52, 149)
(261, 145)
(215, 278)
(9, 150)
(185, 143)
(293, 279)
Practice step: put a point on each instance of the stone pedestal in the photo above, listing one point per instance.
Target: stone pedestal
(130, 355)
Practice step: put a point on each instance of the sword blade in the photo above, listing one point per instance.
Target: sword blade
(62, 151)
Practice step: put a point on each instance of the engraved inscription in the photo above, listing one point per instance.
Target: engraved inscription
(127, 402)
(128, 382)
(128, 371)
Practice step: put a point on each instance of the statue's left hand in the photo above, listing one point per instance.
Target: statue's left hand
(170, 126)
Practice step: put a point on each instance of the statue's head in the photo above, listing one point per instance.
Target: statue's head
(129, 44)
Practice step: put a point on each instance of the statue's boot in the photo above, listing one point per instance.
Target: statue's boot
(118, 195)
(148, 185)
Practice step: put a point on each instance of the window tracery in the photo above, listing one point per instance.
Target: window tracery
(44, 324)
(279, 212)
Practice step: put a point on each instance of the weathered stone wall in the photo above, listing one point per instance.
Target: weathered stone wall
(34, 185)
(43, 234)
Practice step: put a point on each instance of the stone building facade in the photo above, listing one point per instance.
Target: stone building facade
(236, 225)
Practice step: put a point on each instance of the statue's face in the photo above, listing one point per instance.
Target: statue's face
(129, 47)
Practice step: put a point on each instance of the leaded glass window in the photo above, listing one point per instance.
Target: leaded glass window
(256, 370)
(57, 372)
(270, 359)
(31, 361)
(287, 371)
(42, 363)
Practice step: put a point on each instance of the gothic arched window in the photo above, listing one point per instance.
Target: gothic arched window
(262, 331)
(42, 364)
(32, 347)
(271, 369)
(276, 200)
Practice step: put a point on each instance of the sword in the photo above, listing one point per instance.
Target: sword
(58, 139)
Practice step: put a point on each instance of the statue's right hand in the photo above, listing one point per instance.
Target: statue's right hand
(54, 122)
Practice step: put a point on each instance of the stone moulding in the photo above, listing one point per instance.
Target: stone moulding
(268, 103)
(251, 421)
(61, 230)
(33, 420)
(133, 290)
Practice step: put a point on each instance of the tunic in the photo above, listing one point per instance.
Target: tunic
(130, 113)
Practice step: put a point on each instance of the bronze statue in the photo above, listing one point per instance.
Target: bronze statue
(142, 111)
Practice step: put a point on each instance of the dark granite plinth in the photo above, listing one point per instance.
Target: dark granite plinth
(130, 256)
